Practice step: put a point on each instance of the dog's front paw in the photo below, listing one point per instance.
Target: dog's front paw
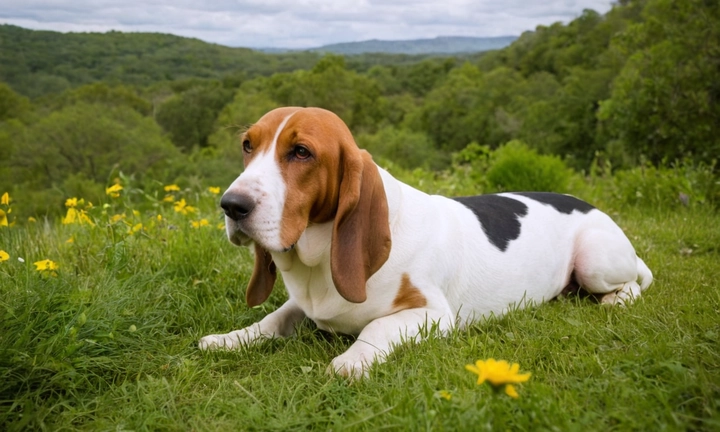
(355, 363)
(230, 341)
(214, 342)
(349, 367)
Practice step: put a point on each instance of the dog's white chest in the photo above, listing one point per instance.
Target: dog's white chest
(308, 278)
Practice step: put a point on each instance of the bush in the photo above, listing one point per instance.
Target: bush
(516, 167)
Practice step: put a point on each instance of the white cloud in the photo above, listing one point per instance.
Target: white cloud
(299, 23)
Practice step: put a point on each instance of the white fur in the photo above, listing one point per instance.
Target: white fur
(441, 246)
(263, 182)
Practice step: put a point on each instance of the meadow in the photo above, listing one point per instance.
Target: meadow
(101, 311)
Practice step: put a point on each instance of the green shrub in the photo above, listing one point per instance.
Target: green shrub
(516, 167)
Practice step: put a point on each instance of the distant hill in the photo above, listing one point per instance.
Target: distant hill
(438, 45)
(37, 62)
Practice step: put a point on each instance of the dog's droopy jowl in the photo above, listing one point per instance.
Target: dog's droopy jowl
(364, 254)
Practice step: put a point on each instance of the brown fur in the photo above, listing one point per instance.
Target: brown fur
(408, 296)
(361, 234)
(339, 182)
(263, 278)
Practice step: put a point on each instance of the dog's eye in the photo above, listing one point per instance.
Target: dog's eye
(301, 152)
(247, 147)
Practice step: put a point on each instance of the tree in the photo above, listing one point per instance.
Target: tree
(332, 86)
(12, 105)
(665, 103)
(90, 140)
(189, 116)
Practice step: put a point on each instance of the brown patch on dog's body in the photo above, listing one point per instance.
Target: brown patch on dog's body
(409, 296)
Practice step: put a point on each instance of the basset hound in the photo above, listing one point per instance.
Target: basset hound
(364, 254)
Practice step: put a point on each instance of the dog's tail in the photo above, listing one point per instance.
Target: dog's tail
(645, 276)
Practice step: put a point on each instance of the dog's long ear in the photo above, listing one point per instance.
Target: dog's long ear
(361, 233)
(263, 278)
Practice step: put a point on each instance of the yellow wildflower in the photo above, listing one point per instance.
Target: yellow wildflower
(116, 218)
(498, 373)
(70, 240)
(32, 219)
(135, 228)
(221, 226)
(200, 223)
(5, 199)
(46, 265)
(75, 215)
(182, 207)
(159, 218)
(3, 218)
(214, 190)
(169, 198)
(114, 190)
(172, 188)
(4, 256)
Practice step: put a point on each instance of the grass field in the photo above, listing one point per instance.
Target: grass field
(108, 340)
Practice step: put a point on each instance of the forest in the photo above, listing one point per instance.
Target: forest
(634, 92)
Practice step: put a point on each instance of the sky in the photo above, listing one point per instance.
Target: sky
(296, 23)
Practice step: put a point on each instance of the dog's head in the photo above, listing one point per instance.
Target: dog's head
(302, 166)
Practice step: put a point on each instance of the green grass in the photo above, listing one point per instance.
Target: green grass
(111, 342)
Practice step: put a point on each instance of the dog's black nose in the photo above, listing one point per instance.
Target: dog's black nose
(237, 206)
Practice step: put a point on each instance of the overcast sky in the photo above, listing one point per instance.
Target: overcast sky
(296, 23)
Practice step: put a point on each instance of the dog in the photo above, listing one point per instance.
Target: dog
(364, 254)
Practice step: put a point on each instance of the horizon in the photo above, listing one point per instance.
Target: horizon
(300, 25)
(274, 48)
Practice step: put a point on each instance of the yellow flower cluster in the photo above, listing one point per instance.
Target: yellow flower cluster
(80, 212)
(499, 373)
(182, 207)
(77, 215)
(200, 223)
(46, 267)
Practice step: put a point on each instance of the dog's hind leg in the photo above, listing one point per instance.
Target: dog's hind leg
(606, 264)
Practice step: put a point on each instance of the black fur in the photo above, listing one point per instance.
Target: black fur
(562, 203)
(499, 217)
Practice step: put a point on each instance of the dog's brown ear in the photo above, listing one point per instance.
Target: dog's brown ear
(361, 232)
(263, 278)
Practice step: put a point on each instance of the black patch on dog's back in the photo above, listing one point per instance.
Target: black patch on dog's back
(562, 203)
(499, 217)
